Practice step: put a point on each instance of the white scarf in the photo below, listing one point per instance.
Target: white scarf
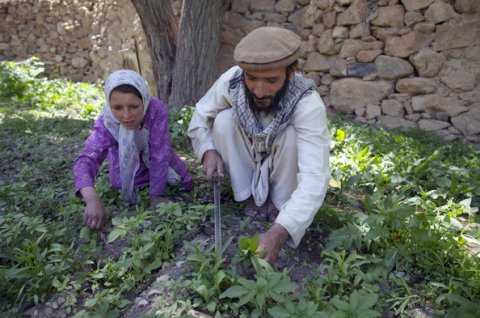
(131, 142)
(261, 139)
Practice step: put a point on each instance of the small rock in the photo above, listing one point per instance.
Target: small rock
(360, 69)
(163, 278)
(153, 292)
(166, 266)
(179, 263)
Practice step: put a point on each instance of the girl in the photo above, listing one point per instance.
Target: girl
(132, 129)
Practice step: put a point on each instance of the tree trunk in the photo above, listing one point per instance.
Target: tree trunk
(197, 50)
(160, 28)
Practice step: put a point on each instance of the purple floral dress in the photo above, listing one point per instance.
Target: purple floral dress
(101, 143)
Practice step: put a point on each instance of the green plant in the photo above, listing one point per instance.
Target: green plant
(21, 82)
(31, 258)
(17, 79)
(268, 288)
(179, 119)
(359, 304)
(302, 309)
(209, 278)
(402, 214)
(246, 257)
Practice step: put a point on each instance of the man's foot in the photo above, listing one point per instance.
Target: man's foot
(252, 210)
(272, 211)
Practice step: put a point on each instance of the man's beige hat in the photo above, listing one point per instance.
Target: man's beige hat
(267, 48)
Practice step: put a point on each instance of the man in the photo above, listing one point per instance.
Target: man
(266, 126)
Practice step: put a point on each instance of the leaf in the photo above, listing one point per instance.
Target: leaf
(363, 300)
(277, 297)
(368, 314)
(345, 237)
(340, 304)
(285, 287)
(278, 312)
(219, 277)
(202, 290)
(427, 161)
(56, 283)
(390, 259)
(123, 303)
(246, 299)
(340, 135)
(234, 292)
(255, 313)
(90, 302)
(353, 180)
(375, 233)
(260, 298)
(117, 221)
(211, 306)
(443, 182)
(116, 234)
(85, 232)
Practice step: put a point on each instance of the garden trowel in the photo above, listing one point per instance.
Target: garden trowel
(216, 216)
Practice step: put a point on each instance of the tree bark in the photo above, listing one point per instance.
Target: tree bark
(184, 66)
(160, 27)
(197, 50)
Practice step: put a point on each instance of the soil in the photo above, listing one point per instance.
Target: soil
(300, 262)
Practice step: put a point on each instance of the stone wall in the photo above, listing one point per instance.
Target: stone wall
(83, 40)
(398, 63)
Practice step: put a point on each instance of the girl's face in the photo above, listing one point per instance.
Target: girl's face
(127, 109)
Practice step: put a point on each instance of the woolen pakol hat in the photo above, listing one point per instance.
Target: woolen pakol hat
(267, 48)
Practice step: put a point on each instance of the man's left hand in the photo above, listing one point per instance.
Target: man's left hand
(271, 242)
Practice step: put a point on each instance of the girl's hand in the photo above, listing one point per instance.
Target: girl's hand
(94, 215)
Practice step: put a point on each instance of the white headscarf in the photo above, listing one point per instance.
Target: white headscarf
(131, 142)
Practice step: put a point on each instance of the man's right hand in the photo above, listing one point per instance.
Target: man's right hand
(94, 215)
(211, 163)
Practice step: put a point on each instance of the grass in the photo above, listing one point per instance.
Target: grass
(400, 224)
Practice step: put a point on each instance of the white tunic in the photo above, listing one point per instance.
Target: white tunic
(313, 148)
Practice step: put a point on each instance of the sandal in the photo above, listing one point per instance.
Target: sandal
(254, 211)
(272, 211)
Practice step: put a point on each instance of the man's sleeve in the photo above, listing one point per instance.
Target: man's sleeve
(313, 145)
(213, 102)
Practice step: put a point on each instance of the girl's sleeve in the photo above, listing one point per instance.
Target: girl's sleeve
(160, 147)
(87, 164)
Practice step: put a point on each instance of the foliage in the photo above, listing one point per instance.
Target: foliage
(401, 217)
(219, 288)
(420, 211)
(31, 258)
(21, 83)
(179, 119)
(17, 80)
(43, 243)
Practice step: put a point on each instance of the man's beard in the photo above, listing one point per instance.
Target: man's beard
(275, 104)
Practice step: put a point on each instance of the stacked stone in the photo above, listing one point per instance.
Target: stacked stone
(398, 63)
(79, 40)
(401, 64)
(58, 32)
(118, 41)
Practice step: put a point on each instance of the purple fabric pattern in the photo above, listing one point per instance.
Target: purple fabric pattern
(101, 145)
